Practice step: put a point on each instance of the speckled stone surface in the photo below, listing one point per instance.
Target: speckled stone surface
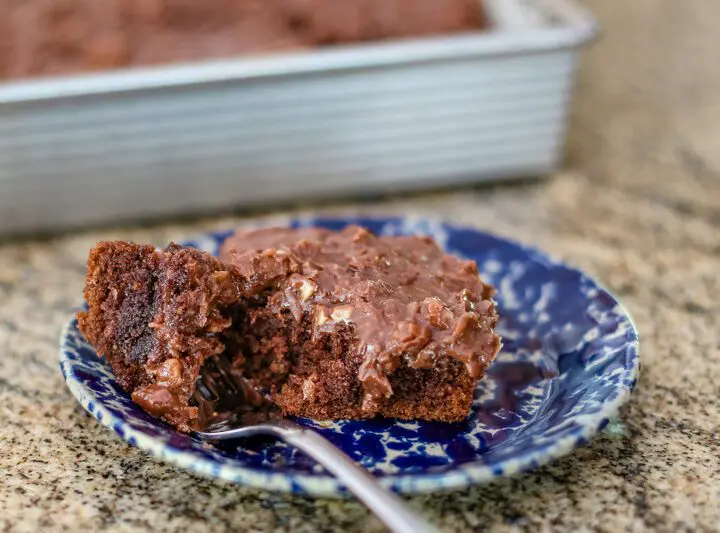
(639, 208)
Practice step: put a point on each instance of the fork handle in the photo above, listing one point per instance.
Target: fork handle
(388, 507)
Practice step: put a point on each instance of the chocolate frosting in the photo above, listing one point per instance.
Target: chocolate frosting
(407, 301)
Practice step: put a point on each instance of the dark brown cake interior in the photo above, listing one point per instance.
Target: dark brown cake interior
(318, 377)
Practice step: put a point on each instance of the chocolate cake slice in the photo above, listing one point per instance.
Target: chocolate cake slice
(367, 326)
(333, 325)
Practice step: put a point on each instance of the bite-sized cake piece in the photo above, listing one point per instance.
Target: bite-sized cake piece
(367, 326)
(157, 315)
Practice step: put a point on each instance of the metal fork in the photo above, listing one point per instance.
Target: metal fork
(246, 413)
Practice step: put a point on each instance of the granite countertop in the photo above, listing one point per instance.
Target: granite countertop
(639, 208)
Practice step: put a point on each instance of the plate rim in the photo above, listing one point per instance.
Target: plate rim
(461, 476)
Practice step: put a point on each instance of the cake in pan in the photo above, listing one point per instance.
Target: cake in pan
(51, 37)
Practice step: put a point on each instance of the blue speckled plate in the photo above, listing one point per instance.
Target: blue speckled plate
(570, 359)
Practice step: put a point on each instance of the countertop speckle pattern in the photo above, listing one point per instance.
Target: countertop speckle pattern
(639, 208)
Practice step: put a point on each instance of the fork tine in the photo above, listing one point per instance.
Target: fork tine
(227, 390)
(233, 383)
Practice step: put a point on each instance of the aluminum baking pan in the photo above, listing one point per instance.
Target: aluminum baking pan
(198, 137)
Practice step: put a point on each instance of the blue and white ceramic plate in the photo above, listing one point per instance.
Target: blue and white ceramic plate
(569, 360)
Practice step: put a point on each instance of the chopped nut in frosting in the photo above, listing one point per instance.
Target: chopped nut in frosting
(342, 313)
